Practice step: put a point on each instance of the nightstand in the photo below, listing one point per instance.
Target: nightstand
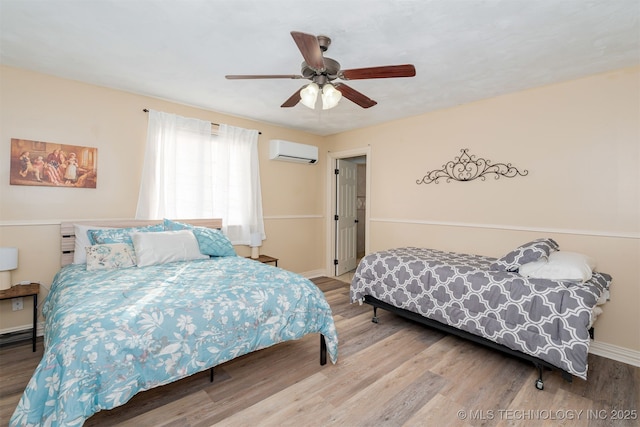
(30, 290)
(266, 259)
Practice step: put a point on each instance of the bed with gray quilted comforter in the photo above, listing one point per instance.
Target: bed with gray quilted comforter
(546, 319)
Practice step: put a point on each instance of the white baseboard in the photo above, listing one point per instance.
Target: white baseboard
(620, 354)
(610, 351)
(24, 328)
(314, 273)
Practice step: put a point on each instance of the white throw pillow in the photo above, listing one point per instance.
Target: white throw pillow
(561, 265)
(110, 256)
(82, 242)
(165, 246)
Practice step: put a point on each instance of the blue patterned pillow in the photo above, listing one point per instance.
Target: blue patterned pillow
(212, 242)
(106, 257)
(119, 235)
(529, 252)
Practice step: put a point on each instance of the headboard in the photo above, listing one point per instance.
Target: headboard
(68, 238)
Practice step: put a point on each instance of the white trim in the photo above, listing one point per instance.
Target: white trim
(17, 223)
(314, 273)
(274, 217)
(614, 352)
(598, 348)
(599, 233)
(21, 328)
(40, 222)
(24, 329)
(37, 222)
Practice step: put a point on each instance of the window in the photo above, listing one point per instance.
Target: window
(190, 173)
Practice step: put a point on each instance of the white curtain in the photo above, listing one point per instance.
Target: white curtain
(190, 173)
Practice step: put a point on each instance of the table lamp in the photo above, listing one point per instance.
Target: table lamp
(8, 262)
(256, 242)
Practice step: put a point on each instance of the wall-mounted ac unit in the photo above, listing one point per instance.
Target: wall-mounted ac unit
(292, 152)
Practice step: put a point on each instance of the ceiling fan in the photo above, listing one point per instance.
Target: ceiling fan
(323, 71)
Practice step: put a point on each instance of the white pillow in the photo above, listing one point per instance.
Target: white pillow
(165, 246)
(82, 242)
(560, 265)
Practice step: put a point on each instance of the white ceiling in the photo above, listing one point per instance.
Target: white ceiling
(463, 50)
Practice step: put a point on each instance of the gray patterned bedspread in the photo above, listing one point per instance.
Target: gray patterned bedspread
(542, 318)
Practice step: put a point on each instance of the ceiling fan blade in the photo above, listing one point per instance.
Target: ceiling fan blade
(355, 96)
(293, 100)
(384, 72)
(310, 49)
(263, 76)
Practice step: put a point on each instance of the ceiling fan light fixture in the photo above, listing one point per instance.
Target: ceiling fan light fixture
(330, 96)
(309, 94)
(322, 70)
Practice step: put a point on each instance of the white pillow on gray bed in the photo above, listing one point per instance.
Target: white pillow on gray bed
(560, 265)
(82, 241)
(165, 246)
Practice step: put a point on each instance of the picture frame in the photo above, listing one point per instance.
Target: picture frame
(50, 164)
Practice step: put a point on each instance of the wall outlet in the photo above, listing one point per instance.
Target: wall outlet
(17, 304)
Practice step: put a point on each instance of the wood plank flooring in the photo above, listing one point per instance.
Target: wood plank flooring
(394, 373)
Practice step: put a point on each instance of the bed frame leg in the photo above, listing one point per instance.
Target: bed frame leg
(211, 374)
(375, 315)
(323, 350)
(539, 382)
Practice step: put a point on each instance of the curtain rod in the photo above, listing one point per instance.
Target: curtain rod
(214, 124)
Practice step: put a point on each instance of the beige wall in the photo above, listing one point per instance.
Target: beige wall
(45, 108)
(579, 141)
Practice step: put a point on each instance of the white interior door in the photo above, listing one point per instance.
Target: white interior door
(346, 222)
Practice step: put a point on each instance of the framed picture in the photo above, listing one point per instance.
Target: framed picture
(51, 164)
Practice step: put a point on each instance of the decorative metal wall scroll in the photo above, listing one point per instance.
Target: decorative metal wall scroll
(467, 168)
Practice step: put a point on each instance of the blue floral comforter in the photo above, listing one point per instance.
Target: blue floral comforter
(110, 334)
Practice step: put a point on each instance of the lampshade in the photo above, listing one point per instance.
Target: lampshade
(309, 94)
(8, 261)
(330, 96)
(256, 242)
(256, 239)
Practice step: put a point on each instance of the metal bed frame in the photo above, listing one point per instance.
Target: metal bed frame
(538, 363)
(323, 356)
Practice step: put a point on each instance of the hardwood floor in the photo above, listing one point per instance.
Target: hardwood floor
(394, 373)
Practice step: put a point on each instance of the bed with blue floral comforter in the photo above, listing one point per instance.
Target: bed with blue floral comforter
(110, 334)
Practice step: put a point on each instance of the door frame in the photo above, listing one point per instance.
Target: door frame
(330, 202)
